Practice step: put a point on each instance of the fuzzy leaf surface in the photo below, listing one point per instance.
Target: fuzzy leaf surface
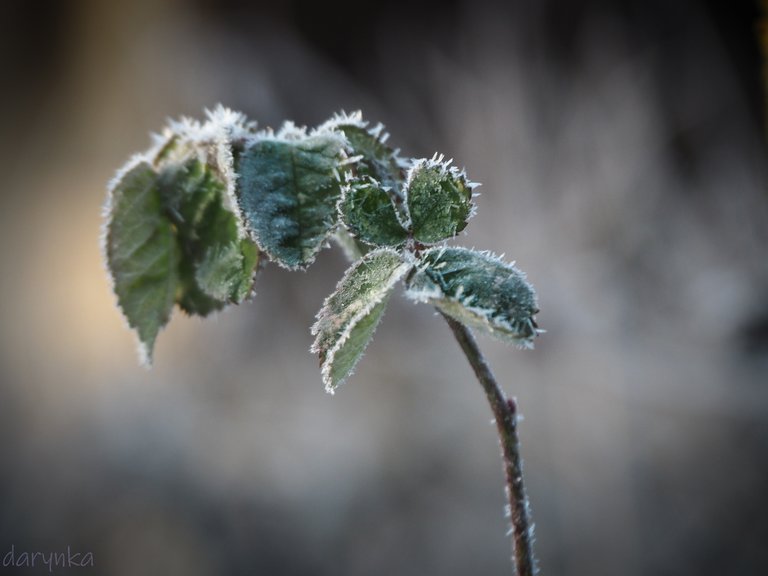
(478, 290)
(288, 190)
(439, 201)
(370, 214)
(350, 315)
(142, 254)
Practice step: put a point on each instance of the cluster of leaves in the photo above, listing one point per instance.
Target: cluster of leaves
(189, 221)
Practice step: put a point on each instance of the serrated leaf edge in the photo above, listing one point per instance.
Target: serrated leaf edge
(433, 296)
(290, 133)
(446, 168)
(211, 142)
(379, 134)
(355, 118)
(327, 365)
(144, 352)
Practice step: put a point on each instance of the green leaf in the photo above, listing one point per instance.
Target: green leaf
(226, 271)
(171, 239)
(350, 315)
(478, 290)
(439, 200)
(373, 201)
(288, 190)
(378, 161)
(142, 253)
(369, 213)
(173, 227)
(215, 143)
(217, 267)
(190, 296)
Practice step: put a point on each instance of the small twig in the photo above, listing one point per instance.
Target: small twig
(505, 412)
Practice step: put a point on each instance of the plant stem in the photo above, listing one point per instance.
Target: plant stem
(505, 413)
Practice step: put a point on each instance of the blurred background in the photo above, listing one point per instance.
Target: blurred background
(623, 160)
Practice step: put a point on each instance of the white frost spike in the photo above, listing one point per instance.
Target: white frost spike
(220, 120)
(343, 119)
(290, 132)
(444, 166)
(355, 119)
(231, 121)
(377, 131)
(351, 160)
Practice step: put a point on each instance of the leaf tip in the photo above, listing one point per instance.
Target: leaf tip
(146, 353)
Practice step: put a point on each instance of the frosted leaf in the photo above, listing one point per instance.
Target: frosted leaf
(439, 200)
(220, 123)
(370, 214)
(141, 253)
(170, 238)
(195, 163)
(374, 205)
(217, 267)
(215, 143)
(225, 271)
(288, 190)
(350, 315)
(478, 290)
(378, 161)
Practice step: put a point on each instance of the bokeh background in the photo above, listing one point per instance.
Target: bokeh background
(622, 155)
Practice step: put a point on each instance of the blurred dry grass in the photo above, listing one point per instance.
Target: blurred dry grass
(625, 173)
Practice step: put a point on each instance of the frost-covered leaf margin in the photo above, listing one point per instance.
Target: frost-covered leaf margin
(349, 316)
(288, 189)
(215, 142)
(479, 290)
(439, 199)
(140, 253)
(212, 143)
(372, 204)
